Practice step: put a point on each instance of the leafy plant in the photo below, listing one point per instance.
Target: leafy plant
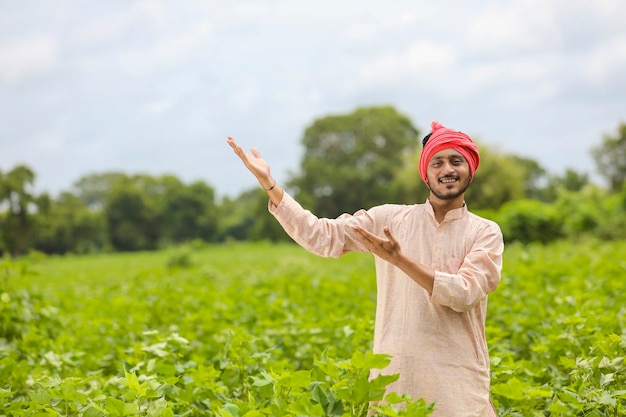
(270, 330)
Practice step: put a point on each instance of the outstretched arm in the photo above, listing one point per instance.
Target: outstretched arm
(389, 250)
(260, 169)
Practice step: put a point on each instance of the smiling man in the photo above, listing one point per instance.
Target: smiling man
(435, 265)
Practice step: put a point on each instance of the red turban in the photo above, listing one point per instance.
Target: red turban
(443, 138)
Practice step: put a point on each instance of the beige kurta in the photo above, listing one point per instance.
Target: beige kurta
(437, 341)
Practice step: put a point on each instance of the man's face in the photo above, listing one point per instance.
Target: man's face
(448, 174)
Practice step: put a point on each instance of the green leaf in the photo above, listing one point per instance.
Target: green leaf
(394, 398)
(53, 359)
(513, 389)
(381, 381)
(304, 407)
(253, 413)
(117, 407)
(93, 412)
(369, 360)
(606, 398)
(541, 392)
(41, 397)
(230, 410)
(606, 379)
(558, 407)
(619, 394)
(327, 365)
(158, 349)
(69, 393)
(278, 406)
(263, 380)
(133, 383)
(570, 398)
(567, 362)
(298, 379)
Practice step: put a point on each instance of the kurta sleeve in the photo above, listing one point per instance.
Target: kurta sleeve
(321, 236)
(478, 275)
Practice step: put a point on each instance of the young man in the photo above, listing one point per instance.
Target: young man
(435, 264)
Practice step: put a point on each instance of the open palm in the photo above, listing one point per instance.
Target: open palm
(253, 161)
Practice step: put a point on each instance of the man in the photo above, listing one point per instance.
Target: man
(435, 264)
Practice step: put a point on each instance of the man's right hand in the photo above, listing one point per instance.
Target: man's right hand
(259, 168)
(257, 165)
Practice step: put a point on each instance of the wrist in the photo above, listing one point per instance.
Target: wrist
(269, 184)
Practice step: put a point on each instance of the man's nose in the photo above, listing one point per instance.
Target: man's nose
(448, 167)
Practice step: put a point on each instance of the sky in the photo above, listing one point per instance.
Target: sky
(155, 86)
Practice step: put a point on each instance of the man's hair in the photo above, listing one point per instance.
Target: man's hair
(426, 139)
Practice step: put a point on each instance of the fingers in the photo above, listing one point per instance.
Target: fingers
(364, 234)
(231, 142)
(369, 238)
(391, 238)
(239, 150)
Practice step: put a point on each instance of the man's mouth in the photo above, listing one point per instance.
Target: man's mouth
(448, 180)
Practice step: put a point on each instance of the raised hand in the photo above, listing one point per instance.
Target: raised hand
(253, 161)
(260, 169)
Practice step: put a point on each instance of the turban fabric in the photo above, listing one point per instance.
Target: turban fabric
(443, 138)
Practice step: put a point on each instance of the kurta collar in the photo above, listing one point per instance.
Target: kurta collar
(451, 215)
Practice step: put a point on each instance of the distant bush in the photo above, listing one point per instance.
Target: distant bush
(179, 260)
(530, 221)
(592, 211)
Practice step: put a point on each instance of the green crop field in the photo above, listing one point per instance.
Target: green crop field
(270, 330)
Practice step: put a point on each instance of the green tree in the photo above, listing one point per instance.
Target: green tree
(528, 221)
(188, 212)
(143, 211)
(95, 189)
(264, 226)
(18, 202)
(68, 225)
(571, 180)
(350, 160)
(246, 217)
(610, 158)
(533, 174)
(131, 219)
(237, 215)
(407, 186)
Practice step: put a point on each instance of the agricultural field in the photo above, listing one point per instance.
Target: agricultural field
(269, 330)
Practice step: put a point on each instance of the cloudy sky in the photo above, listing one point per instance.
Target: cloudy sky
(155, 86)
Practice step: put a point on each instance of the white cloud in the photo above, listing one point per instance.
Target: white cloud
(27, 56)
(119, 25)
(607, 61)
(513, 27)
(422, 59)
(158, 107)
(245, 96)
(171, 48)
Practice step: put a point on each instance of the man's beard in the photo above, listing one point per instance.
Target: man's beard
(453, 196)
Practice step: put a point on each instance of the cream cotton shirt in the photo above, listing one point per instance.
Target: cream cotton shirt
(437, 340)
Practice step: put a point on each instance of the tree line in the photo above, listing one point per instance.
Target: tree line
(350, 161)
